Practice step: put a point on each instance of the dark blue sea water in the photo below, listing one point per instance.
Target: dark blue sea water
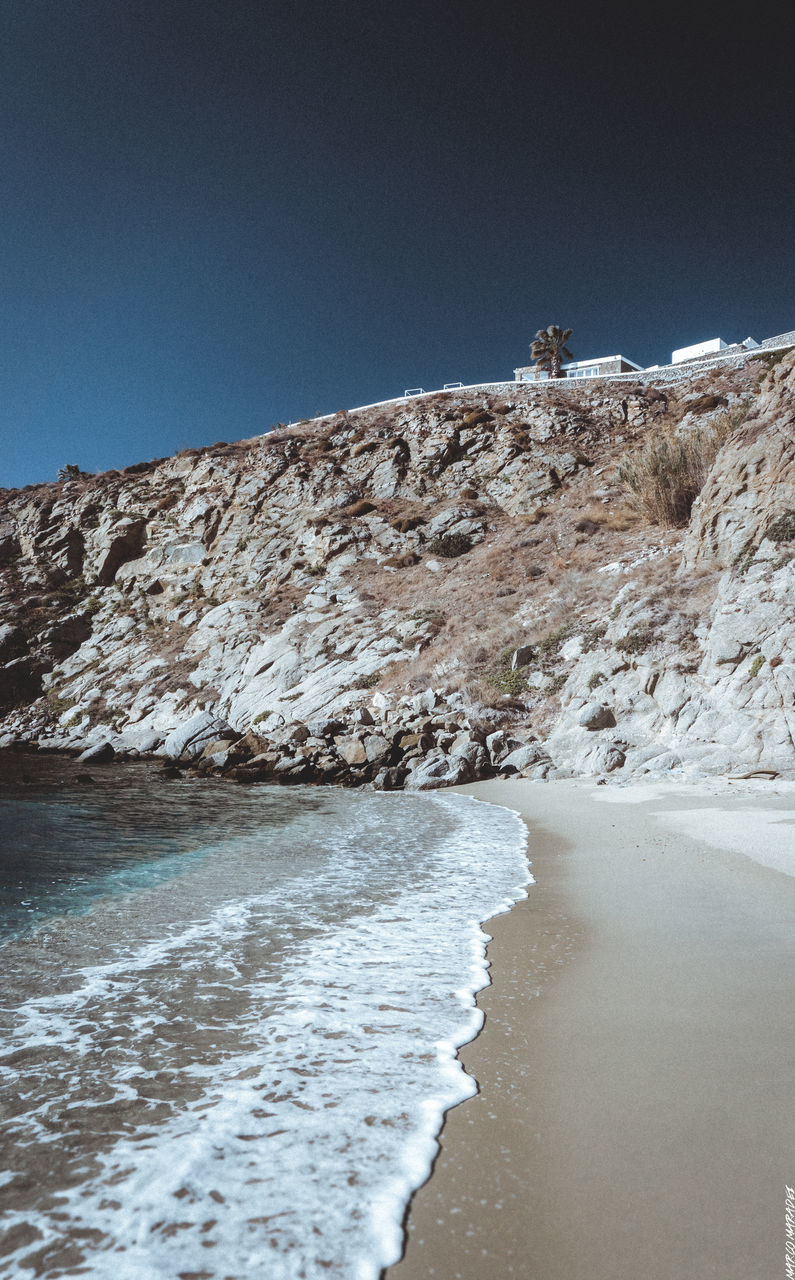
(230, 1017)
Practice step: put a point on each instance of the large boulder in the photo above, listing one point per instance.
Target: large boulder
(500, 744)
(595, 715)
(377, 749)
(439, 771)
(352, 750)
(521, 759)
(98, 753)
(188, 740)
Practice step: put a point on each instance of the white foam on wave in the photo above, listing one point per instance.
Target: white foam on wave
(298, 1140)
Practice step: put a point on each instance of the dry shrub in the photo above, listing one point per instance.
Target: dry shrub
(705, 403)
(360, 508)
(401, 562)
(617, 516)
(404, 524)
(668, 472)
(535, 516)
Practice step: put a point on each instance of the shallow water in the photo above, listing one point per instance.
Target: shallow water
(230, 1018)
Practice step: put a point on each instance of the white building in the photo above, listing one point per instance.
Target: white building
(597, 367)
(710, 347)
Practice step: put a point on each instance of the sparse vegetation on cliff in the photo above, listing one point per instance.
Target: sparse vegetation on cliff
(478, 563)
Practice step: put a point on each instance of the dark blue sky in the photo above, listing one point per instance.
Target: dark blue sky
(217, 216)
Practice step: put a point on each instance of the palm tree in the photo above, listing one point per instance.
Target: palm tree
(548, 349)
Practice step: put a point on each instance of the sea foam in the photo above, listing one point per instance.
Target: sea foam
(257, 1089)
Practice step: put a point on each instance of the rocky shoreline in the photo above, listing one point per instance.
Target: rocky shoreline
(424, 746)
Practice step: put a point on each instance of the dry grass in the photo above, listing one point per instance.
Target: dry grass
(666, 475)
(615, 516)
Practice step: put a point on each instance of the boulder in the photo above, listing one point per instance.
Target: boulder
(522, 656)
(352, 750)
(251, 744)
(328, 728)
(476, 756)
(376, 748)
(607, 758)
(439, 771)
(424, 702)
(500, 744)
(520, 759)
(189, 740)
(99, 753)
(595, 715)
(389, 779)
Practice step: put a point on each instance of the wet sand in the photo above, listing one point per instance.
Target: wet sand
(634, 1117)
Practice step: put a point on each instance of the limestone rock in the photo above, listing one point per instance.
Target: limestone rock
(189, 740)
(116, 544)
(376, 749)
(99, 753)
(524, 654)
(440, 771)
(595, 715)
(500, 744)
(752, 481)
(519, 759)
(352, 750)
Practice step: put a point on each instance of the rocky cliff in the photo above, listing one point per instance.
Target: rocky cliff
(420, 594)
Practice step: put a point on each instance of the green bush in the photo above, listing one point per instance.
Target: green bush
(635, 641)
(592, 636)
(507, 681)
(782, 529)
(59, 705)
(596, 679)
(366, 682)
(554, 639)
(450, 545)
(756, 665)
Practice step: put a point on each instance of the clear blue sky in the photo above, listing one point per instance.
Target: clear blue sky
(222, 215)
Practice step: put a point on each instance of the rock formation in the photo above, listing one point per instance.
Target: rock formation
(419, 594)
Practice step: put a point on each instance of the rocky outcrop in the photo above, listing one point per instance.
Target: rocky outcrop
(415, 596)
(752, 485)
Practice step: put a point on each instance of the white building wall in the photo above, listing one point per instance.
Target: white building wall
(698, 349)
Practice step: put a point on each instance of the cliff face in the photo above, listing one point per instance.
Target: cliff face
(343, 599)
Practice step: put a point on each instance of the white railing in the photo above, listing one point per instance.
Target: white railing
(670, 372)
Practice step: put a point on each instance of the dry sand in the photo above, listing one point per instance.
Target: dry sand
(634, 1119)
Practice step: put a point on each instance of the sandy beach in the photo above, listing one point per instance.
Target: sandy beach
(634, 1115)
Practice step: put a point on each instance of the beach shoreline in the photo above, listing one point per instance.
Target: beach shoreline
(633, 1112)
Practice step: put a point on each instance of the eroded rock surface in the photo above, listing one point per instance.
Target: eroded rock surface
(417, 595)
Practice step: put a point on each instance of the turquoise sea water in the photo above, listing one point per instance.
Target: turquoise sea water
(230, 1016)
